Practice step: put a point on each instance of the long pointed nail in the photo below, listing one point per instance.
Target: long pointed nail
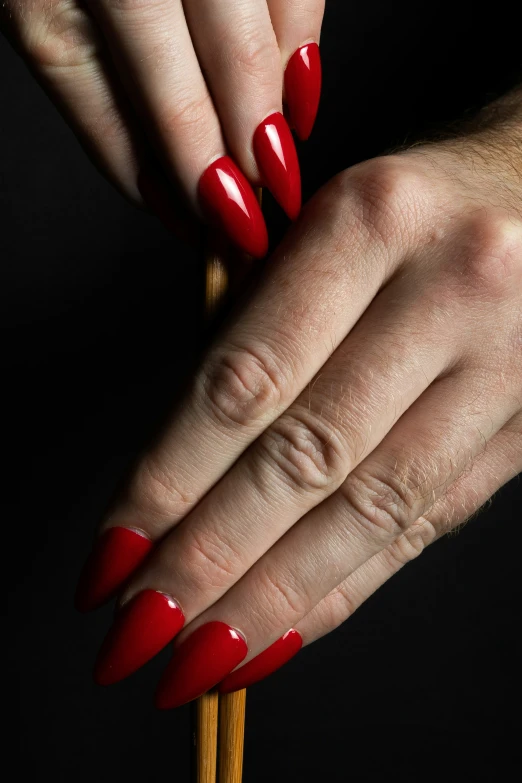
(264, 664)
(202, 661)
(142, 628)
(228, 199)
(303, 79)
(115, 556)
(276, 158)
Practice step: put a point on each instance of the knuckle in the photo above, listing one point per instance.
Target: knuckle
(306, 451)
(242, 386)
(155, 495)
(279, 597)
(383, 504)
(410, 544)
(493, 261)
(60, 35)
(253, 53)
(208, 560)
(388, 198)
(186, 117)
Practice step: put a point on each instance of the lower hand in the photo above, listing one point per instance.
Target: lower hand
(363, 402)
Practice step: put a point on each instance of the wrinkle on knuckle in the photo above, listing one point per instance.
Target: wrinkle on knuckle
(60, 34)
(280, 598)
(185, 118)
(384, 505)
(208, 559)
(410, 544)
(155, 494)
(305, 451)
(242, 386)
(252, 54)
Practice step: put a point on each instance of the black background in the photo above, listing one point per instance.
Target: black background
(98, 305)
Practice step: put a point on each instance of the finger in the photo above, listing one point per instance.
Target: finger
(399, 482)
(237, 50)
(158, 64)
(64, 47)
(500, 461)
(297, 25)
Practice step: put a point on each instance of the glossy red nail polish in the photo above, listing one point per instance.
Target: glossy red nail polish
(267, 662)
(303, 78)
(276, 158)
(116, 555)
(228, 199)
(202, 661)
(141, 629)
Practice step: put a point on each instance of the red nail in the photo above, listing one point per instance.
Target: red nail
(303, 88)
(115, 556)
(229, 200)
(267, 662)
(276, 158)
(142, 628)
(202, 661)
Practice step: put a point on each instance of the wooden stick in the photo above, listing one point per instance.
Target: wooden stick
(231, 736)
(205, 738)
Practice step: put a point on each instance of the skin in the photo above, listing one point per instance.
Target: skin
(178, 82)
(363, 401)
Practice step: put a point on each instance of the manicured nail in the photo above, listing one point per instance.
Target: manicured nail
(141, 629)
(276, 158)
(267, 662)
(228, 199)
(303, 88)
(115, 556)
(158, 198)
(202, 661)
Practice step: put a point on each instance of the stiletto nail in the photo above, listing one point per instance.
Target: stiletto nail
(115, 556)
(141, 629)
(228, 199)
(202, 661)
(267, 662)
(303, 88)
(276, 158)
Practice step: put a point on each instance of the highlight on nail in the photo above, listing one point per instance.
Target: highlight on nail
(264, 664)
(227, 199)
(204, 659)
(303, 81)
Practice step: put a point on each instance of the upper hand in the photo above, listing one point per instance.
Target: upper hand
(191, 83)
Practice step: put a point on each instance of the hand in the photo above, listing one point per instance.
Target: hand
(366, 400)
(192, 80)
